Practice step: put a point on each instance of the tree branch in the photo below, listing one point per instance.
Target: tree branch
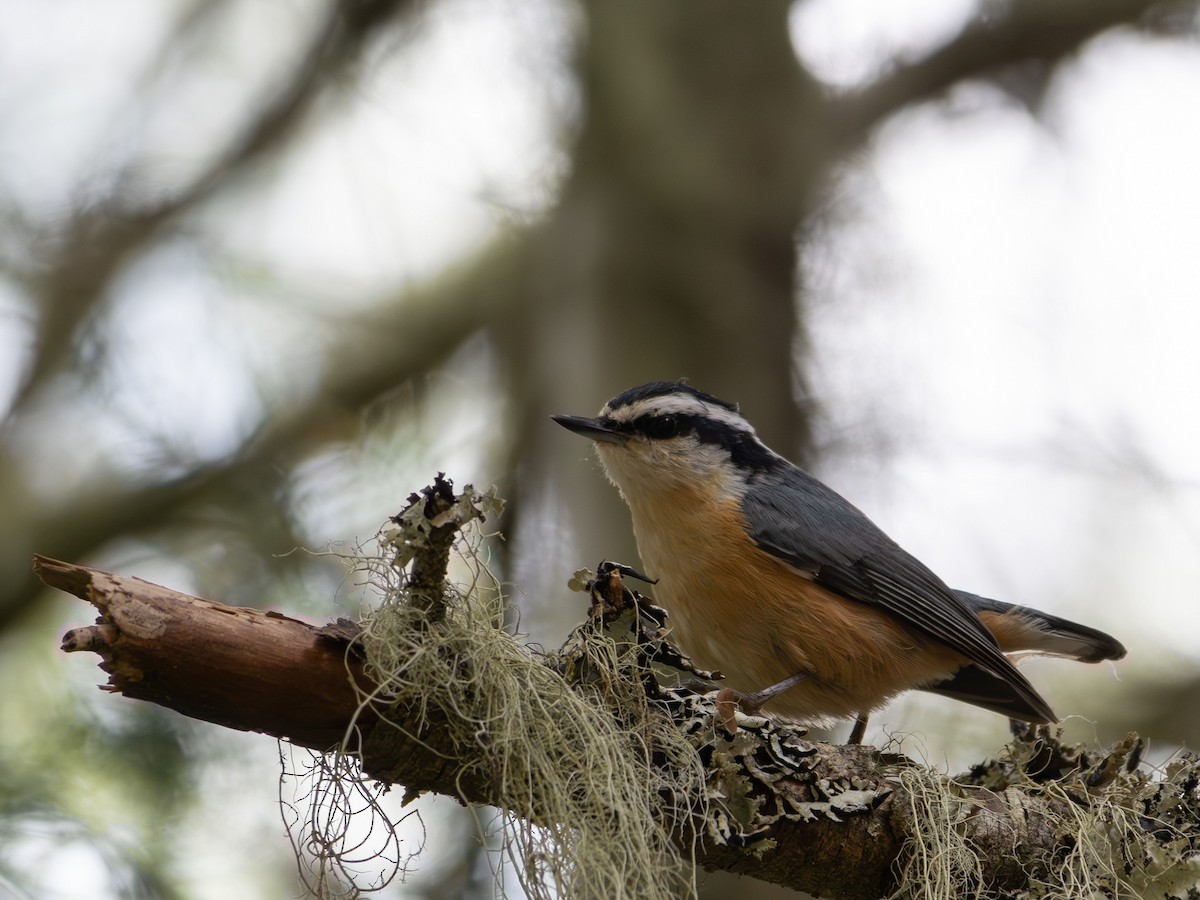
(1030, 30)
(233, 666)
(101, 238)
(419, 331)
(846, 822)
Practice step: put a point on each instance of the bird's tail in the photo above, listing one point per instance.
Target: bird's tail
(1030, 632)
(1021, 631)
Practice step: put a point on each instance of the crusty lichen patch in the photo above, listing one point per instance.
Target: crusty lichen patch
(746, 769)
(615, 763)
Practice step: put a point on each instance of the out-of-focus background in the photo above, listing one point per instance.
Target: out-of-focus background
(265, 268)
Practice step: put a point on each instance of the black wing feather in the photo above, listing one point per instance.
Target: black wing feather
(798, 519)
(971, 684)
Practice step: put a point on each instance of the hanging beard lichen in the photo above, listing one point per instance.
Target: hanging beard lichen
(594, 789)
(1117, 830)
(611, 781)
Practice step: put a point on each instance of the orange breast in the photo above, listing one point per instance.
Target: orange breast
(738, 609)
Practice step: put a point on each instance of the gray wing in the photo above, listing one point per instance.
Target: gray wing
(801, 521)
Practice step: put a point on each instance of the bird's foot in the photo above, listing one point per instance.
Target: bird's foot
(730, 701)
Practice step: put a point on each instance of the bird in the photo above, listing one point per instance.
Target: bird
(801, 602)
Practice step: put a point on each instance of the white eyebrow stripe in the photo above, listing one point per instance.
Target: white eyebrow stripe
(680, 405)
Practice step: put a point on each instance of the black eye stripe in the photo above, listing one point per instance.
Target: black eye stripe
(744, 449)
(663, 426)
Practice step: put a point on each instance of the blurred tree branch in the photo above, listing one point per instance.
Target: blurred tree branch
(1021, 31)
(100, 238)
(411, 339)
(670, 252)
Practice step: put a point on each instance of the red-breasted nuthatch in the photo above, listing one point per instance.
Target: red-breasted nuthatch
(790, 591)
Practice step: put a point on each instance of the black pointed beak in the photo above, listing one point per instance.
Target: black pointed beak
(594, 429)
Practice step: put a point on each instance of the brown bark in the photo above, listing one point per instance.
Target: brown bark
(830, 820)
(237, 667)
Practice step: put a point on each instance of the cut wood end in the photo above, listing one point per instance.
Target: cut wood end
(69, 577)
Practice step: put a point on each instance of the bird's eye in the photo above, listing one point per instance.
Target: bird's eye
(661, 427)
